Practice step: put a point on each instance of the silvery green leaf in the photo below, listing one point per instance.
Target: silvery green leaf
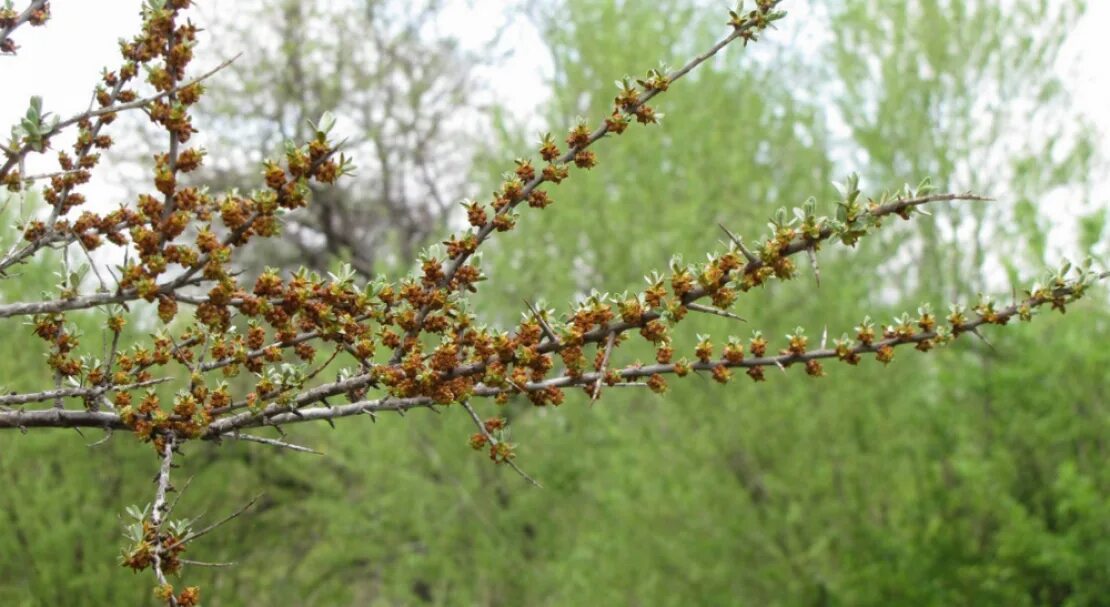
(326, 123)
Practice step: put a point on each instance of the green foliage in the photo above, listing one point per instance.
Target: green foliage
(965, 92)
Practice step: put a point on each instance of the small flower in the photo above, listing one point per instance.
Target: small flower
(585, 159)
(548, 150)
(704, 349)
(757, 345)
(885, 354)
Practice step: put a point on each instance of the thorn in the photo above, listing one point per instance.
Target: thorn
(976, 333)
(543, 323)
(206, 564)
(107, 435)
(524, 475)
(715, 311)
(816, 268)
(740, 245)
(516, 385)
(824, 337)
(604, 365)
(272, 442)
(779, 365)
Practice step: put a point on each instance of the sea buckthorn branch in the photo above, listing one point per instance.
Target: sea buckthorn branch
(87, 394)
(787, 241)
(35, 131)
(161, 551)
(237, 237)
(923, 331)
(37, 13)
(153, 229)
(156, 542)
(493, 432)
(631, 103)
(84, 302)
(23, 419)
(176, 59)
(161, 39)
(15, 156)
(858, 219)
(854, 222)
(438, 354)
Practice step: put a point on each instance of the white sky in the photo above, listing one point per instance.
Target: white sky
(61, 61)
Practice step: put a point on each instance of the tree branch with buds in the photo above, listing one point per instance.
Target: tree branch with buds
(395, 345)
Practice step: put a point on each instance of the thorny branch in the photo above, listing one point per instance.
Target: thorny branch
(581, 140)
(159, 513)
(397, 346)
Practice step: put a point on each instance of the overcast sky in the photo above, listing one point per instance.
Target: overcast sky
(60, 62)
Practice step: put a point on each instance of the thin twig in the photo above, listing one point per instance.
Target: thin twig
(598, 133)
(739, 244)
(493, 441)
(193, 535)
(177, 497)
(543, 322)
(816, 268)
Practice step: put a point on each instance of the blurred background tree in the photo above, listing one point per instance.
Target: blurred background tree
(971, 477)
(405, 91)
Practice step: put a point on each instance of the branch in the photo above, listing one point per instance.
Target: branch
(160, 511)
(493, 441)
(35, 9)
(741, 32)
(83, 393)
